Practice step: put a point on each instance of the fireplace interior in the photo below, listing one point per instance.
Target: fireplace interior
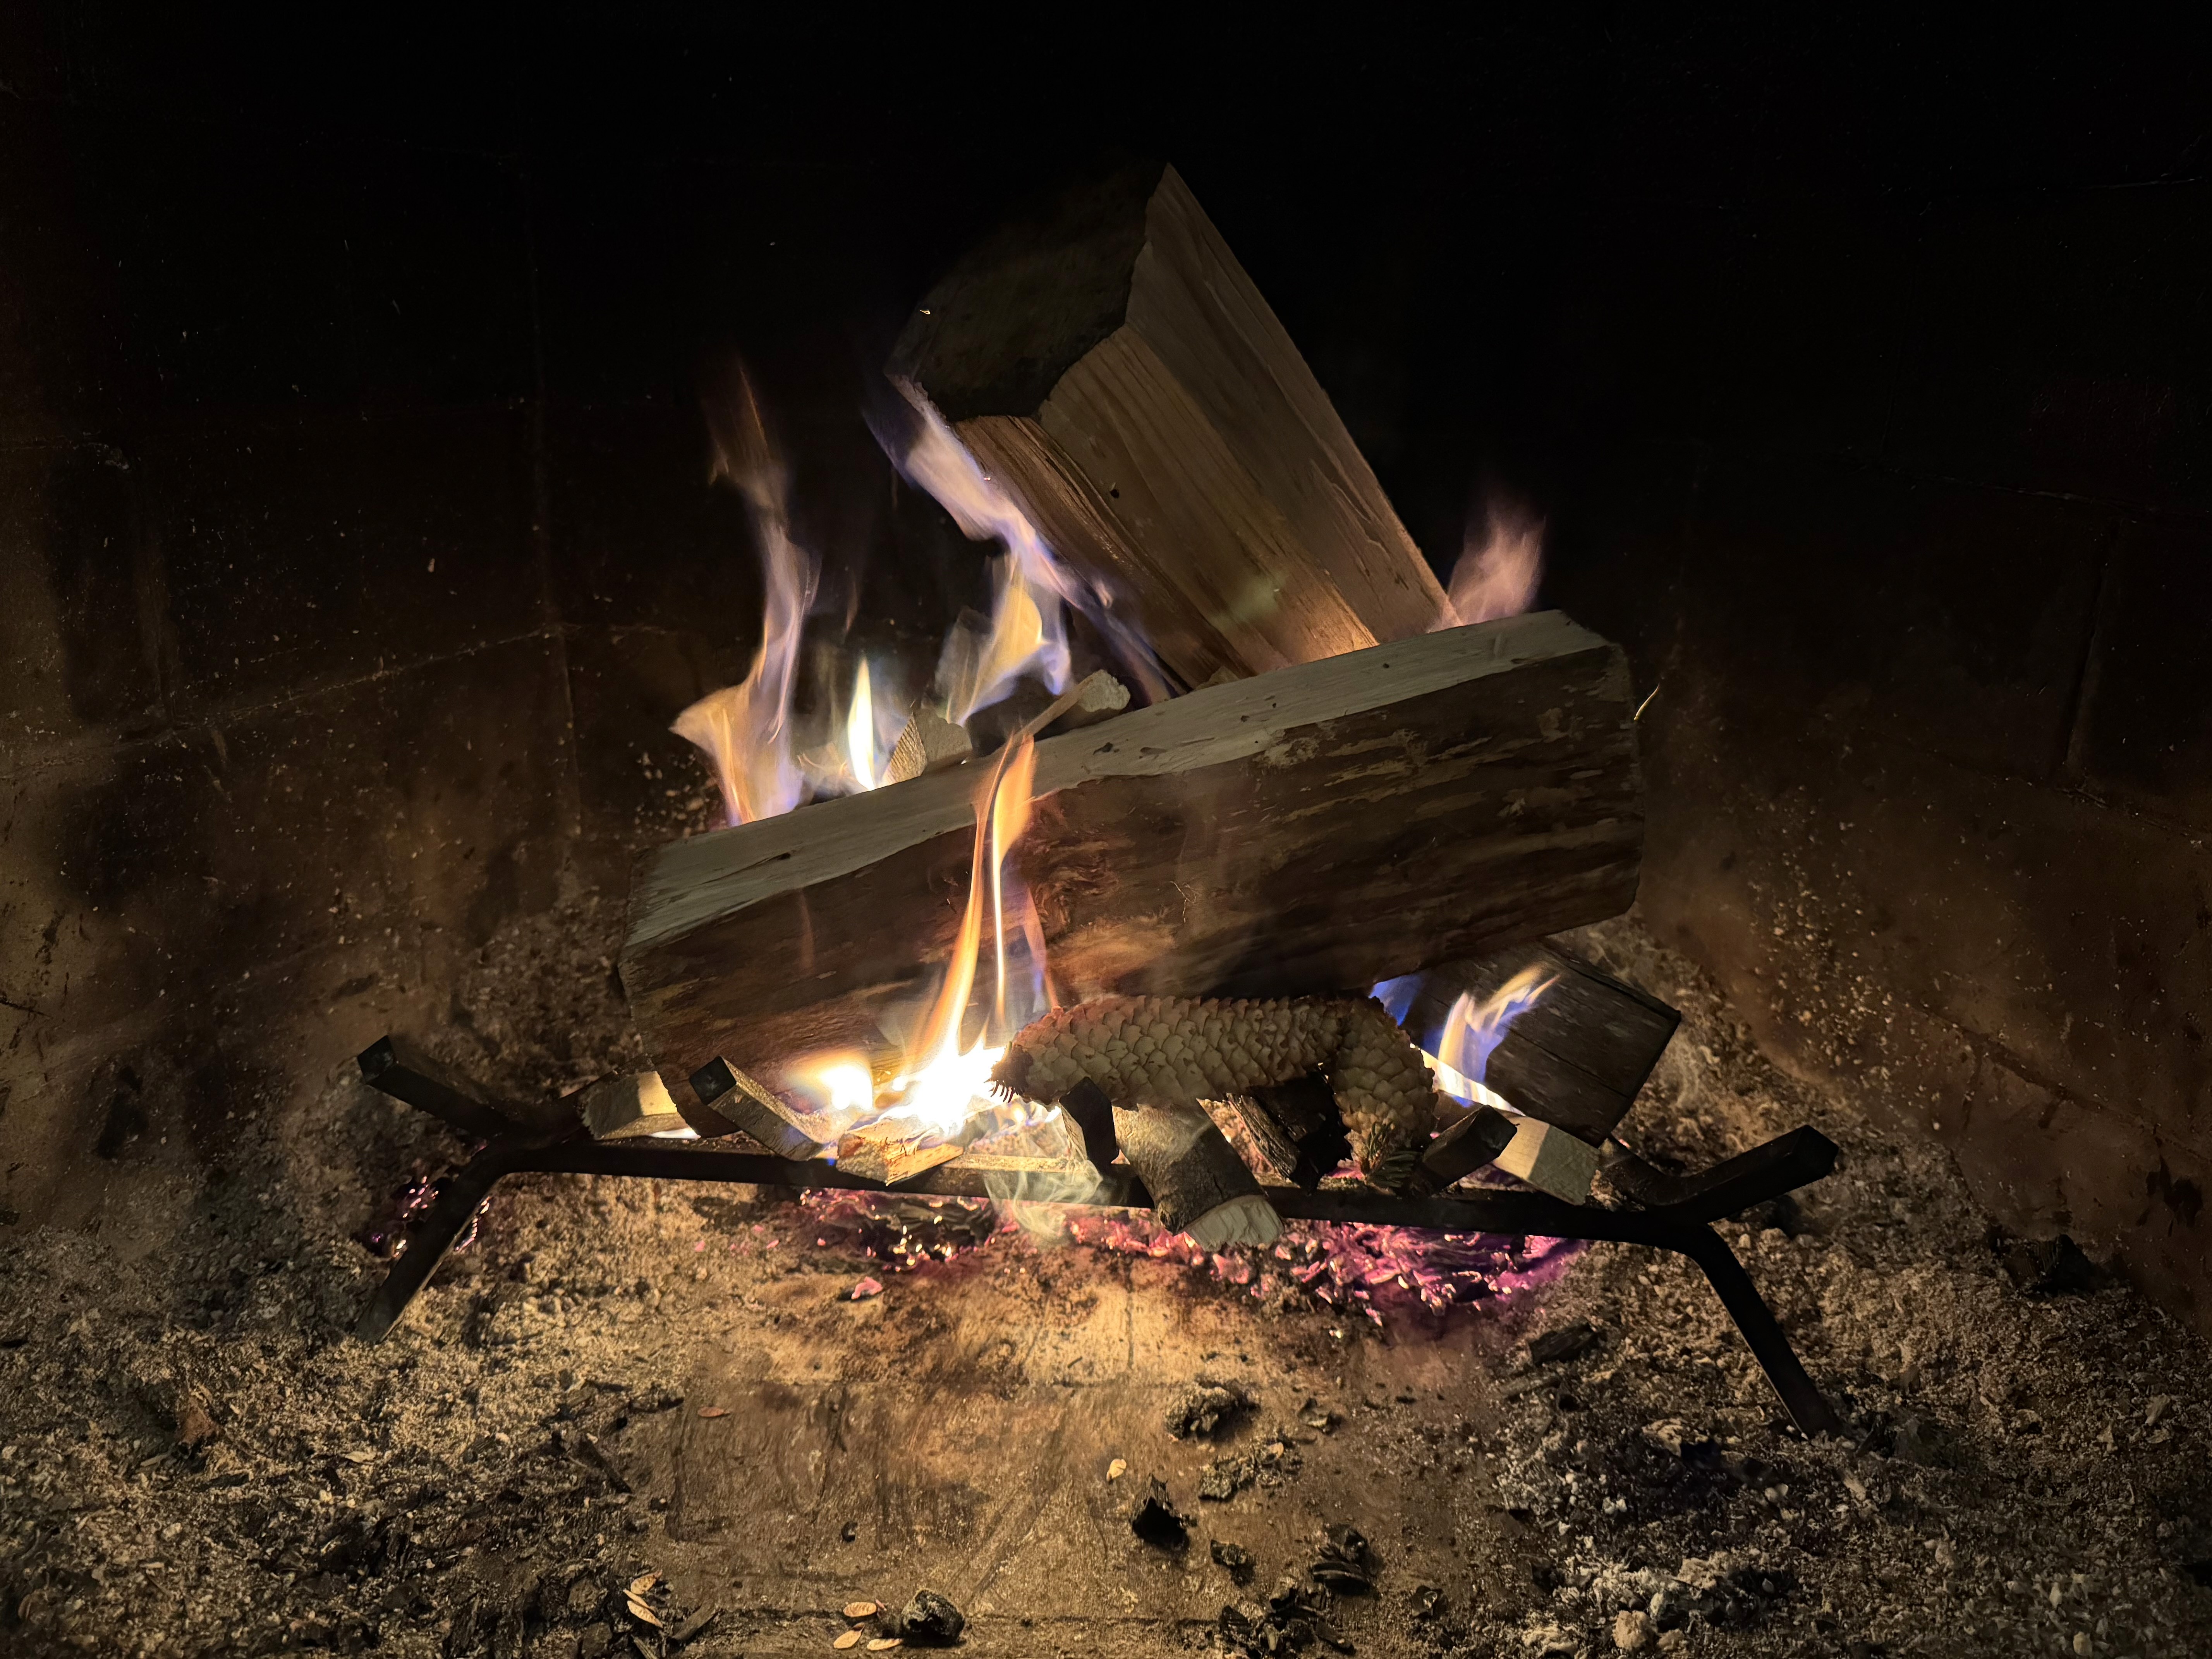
(705, 775)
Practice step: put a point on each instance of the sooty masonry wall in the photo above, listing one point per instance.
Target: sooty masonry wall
(1864, 380)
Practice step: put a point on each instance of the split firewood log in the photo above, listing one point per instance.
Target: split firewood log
(1576, 1057)
(1307, 831)
(623, 1107)
(731, 1101)
(1114, 368)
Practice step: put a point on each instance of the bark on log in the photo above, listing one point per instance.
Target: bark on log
(1578, 1057)
(1313, 830)
(1199, 1185)
(1111, 364)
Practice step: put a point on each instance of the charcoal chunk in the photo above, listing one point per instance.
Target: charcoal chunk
(1568, 1342)
(1154, 1518)
(930, 1620)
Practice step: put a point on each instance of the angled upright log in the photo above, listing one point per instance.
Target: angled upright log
(1111, 364)
(1314, 830)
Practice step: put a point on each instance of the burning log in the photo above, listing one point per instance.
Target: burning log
(1315, 828)
(1575, 1055)
(1113, 367)
(891, 1151)
(1200, 1187)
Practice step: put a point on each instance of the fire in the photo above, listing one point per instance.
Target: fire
(746, 728)
(861, 731)
(1027, 632)
(1497, 572)
(1471, 1033)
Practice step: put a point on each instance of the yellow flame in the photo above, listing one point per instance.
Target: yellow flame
(1499, 570)
(941, 1088)
(841, 1082)
(746, 728)
(861, 731)
(1010, 816)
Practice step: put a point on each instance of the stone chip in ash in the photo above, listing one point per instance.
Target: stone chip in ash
(1205, 1407)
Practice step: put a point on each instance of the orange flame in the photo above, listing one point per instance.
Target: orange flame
(943, 1081)
(1497, 572)
(746, 729)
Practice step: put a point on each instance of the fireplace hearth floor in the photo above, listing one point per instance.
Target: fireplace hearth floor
(2027, 1470)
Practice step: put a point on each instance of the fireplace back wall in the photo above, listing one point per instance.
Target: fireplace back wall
(355, 547)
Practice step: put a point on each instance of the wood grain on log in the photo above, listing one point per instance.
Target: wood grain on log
(1312, 830)
(622, 1108)
(891, 1152)
(1111, 365)
(1578, 1057)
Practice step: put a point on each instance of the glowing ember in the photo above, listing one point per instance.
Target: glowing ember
(1498, 567)
(1373, 1272)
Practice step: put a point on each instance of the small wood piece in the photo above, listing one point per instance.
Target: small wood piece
(617, 1107)
(1112, 367)
(1098, 695)
(1200, 1187)
(735, 1102)
(1305, 1109)
(1578, 1057)
(929, 743)
(1322, 827)
(1550, 1159)
(1476, 1140)
(1267, 1151)
(891, 1151)
(1093, 1114)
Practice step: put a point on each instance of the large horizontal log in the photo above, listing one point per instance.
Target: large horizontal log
(1311, 830)
(1111, 365)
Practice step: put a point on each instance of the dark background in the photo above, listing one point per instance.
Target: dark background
(1862, 369)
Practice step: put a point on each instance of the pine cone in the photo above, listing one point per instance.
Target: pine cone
(1177, 1051)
